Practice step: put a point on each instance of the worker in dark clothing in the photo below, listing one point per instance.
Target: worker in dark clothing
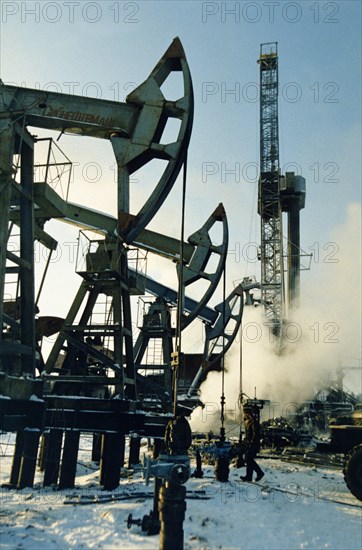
(252, 444)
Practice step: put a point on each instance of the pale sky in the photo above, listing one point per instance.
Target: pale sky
(106, 48)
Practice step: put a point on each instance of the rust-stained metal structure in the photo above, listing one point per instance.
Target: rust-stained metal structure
(93, 359)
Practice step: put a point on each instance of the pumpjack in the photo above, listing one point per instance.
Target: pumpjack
(98, 361)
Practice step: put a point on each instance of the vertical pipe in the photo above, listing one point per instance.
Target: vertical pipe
(294, 253)
(154, 524)
(172, 507)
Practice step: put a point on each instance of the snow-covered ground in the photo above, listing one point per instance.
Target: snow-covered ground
(293, 508)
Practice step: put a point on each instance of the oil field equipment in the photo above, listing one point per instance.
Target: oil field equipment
(346, 438)
(93, 356)
(277, 194)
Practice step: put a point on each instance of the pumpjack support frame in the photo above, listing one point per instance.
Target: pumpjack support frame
(134, 129)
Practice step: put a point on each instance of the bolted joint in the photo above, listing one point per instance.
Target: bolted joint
(174, 473)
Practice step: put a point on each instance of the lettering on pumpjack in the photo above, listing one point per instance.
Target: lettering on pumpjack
(107, 122)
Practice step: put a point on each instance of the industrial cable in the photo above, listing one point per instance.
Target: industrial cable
(241, 374)
(252, 218)
(240, 458)
(180, 301)
(223, 448)
(222, 415)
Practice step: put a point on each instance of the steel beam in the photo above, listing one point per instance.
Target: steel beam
(27, 293)
(7, 144)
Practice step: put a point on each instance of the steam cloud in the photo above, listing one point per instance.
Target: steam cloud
(322, 335)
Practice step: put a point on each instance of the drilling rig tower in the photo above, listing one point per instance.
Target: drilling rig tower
(269, 204)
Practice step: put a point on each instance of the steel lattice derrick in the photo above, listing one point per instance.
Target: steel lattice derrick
(269, 206)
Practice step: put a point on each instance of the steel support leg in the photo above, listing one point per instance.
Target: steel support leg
(96, 447)
(28, 459)
(52, 457)
(27, 295)
(15, 468)
(134, 451)
(68, 466)
(123, 448)
(43, 451)
(111, 460)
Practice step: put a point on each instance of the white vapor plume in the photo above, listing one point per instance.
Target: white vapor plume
(324, 333)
